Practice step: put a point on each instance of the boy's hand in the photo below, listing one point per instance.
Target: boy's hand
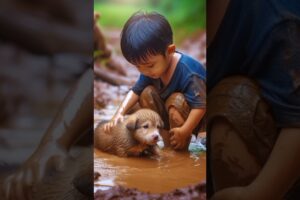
(113, 122)
(179, 138)
(22, 183)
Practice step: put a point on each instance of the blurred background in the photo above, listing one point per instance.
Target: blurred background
(186, 17)
(45, 46)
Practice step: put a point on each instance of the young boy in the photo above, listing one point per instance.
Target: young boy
(171, 83)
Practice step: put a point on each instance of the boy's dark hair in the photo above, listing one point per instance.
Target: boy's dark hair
(145, 34)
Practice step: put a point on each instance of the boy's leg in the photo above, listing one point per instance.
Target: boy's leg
(178, 111)
(241, 133)
(150, 98)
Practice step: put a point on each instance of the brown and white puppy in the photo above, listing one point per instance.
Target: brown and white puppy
(137, 134)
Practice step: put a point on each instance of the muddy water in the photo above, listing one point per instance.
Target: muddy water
(156, 175)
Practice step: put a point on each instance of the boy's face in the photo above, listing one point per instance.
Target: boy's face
(156, 65)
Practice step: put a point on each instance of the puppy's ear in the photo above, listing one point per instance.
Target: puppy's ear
(132, 123)
(161, 124)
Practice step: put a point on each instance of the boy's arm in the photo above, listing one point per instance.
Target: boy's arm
(277, 176)
(130, 99)
(181, 134)
(282, 168)
(74, 117)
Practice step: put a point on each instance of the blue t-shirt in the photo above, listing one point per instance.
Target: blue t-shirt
(189, 79)
(261, 40)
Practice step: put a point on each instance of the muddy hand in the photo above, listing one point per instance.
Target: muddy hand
(179, 139)
(113, 122)
(22, 183)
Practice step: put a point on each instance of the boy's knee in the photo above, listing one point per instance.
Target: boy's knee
(177, 108)
(150, 99)
(175, 118)
(147, 96)
(238, 101)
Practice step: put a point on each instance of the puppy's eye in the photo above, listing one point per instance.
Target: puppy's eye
(146, 126)
(158, 126)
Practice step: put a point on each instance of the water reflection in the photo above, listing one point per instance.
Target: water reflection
(156, 175)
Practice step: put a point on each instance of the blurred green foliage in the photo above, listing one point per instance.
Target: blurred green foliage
(184, 13)
(113, 15)
(185, 16)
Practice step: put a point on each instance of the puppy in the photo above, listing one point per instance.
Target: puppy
(136, 135)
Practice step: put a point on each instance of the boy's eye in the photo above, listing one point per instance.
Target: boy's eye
(146, 126)
(149, 66)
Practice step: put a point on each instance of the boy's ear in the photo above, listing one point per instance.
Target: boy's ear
(171, 48)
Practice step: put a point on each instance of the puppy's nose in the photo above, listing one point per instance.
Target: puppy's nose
(155, 137)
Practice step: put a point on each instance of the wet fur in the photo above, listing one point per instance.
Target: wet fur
(130, 138)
